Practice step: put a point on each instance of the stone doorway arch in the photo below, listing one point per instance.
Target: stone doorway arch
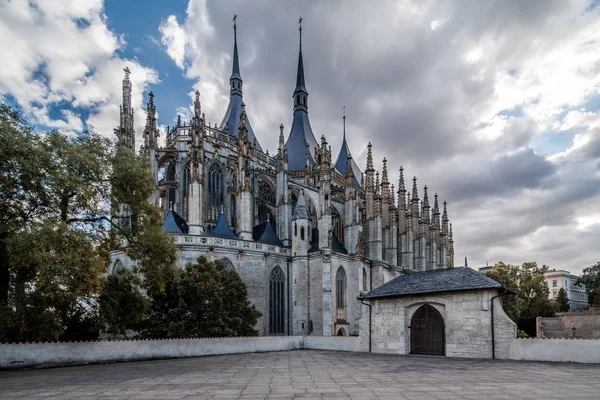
(341, 332)
(427, 332)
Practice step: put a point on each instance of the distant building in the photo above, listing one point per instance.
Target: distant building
(556, 279)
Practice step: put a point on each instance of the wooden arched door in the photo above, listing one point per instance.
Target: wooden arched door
(427, 332)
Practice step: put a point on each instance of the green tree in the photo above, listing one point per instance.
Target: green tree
(591, 279)
(65, 202)
(533, 292)
(205, 299)
(122, 305)
(562, 301)
(507, 275)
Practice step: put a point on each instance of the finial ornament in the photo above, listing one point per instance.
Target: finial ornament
(234, 21)
(300, 30)
(127, 72)
(344, 123)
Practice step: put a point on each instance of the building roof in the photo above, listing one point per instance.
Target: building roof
(222, 228)
(435, 281)
(301, 210)
(340, 163)
(300, 136)
(173, 223)
(264, 233)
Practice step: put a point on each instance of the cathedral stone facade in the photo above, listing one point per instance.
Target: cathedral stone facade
(306, 234)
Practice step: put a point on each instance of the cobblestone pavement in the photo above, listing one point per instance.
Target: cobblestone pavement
(306, 374)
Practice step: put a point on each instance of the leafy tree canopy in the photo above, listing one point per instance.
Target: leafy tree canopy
(591, 279)
(206, 299)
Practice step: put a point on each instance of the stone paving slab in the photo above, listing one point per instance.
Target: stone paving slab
(308, 374)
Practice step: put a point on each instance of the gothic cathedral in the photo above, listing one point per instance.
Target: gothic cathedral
(307, 235)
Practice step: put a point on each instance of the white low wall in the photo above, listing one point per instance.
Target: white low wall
(557, 350)
(339, 343)
(52, 354)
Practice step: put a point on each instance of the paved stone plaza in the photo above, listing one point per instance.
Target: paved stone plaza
(308, 374)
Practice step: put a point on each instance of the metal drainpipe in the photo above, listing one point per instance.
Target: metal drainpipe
(368, 305)
(288, 295)
(492, 320)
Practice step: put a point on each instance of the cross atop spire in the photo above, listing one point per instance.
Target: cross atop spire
(300, 83)
(236, 79)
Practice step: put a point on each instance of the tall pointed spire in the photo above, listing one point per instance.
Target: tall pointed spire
(231, 120)
(236, 79)
(300, 93)
(344, 123)
(435, 223)
(425, 209)
(301, 134)
(415, 191)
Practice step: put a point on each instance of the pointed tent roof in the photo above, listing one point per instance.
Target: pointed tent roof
(222, 228)
(340, 163)
(265, 233)
(231, 120)
(173, 223)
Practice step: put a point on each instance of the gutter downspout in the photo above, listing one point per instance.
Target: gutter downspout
(368, 305)
(288, 296)
(492, 320)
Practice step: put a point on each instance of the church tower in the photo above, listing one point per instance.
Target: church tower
(231, 120)
(125, 132)
(301, 143)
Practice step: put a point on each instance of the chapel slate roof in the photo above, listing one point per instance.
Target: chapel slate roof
(173, 223)
(435, 281)
(222, 228)
(264, 233)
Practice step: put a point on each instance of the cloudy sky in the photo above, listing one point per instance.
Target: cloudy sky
(495, 105)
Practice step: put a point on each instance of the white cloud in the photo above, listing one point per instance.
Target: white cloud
(62, 51)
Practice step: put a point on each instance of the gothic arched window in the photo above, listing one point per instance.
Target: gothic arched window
(214, 192)
(117, 267)
(276, 302)
(171, 179)
(266, 200)
(338, 225)
(365, 282)
(185, 191)
(340, 294)
(233, 211)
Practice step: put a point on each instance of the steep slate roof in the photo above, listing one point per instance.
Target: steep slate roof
(300, 135)
(264, 233)
(222, 228)
(231, 120)
(435, 281)
(336, 245)
(173, 223)
(340, 163)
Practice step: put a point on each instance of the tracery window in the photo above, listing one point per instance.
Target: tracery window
(276, 302)
(233, 211)
(338, 225)
(172, 190)
(340, 294)
(214, 192)
(266, 200)
(186, 191)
